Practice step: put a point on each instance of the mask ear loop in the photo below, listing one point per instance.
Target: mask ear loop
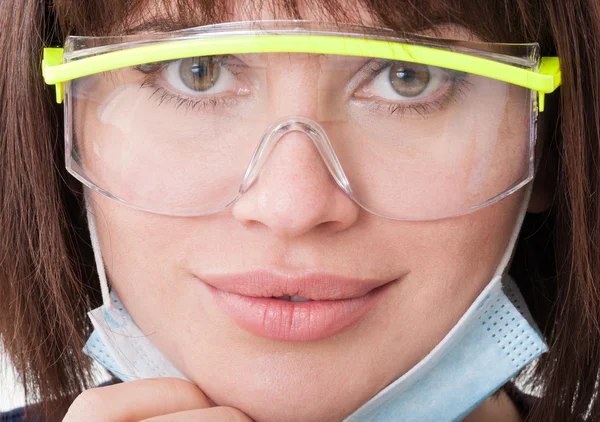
(97, 254)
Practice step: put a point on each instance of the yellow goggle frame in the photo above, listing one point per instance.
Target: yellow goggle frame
(544, 80)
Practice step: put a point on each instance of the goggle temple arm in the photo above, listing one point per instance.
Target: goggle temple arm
(549, 66)
(54, 57)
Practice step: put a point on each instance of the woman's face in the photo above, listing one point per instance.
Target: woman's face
(295, 223)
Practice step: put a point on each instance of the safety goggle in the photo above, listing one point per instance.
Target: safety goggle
(409, 127)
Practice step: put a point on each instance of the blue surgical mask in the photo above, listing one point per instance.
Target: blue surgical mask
(120, 346)
(491, 343)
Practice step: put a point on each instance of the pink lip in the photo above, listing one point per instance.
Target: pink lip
(336, 303)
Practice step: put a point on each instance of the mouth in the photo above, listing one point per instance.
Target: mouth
(295, 308)
(294, 298)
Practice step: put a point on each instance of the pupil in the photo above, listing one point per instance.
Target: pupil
(199, 70)
(199, 73)
(408, 75)
(409, 80)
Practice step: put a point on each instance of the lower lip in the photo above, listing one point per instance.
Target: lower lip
(295, 321)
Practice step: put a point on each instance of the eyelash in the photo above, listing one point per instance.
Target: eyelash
(454, 95)
(166, 97)
(189, 104)
(459, 87)
(456, 92)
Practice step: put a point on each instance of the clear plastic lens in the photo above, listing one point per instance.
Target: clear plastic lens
(404, 140)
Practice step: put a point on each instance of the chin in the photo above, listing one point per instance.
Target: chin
(285, 407)
(291, 396)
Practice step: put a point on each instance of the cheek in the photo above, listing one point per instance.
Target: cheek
(140, 252)
(456, 260)
(449, 262)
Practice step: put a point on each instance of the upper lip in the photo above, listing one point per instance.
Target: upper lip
(314, 286)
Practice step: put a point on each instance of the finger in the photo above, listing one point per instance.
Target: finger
(136, 400)
(213, 414)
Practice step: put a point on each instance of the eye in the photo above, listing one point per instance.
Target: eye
(403, 81)
(199, 73)
(208, 75)
(409, 80)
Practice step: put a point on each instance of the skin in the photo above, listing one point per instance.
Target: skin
(252, 374)
(294, 219)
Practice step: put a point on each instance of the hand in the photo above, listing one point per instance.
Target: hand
(151, 400)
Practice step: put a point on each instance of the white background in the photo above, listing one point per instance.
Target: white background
(11, 395)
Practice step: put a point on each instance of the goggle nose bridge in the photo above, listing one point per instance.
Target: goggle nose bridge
(315, 133)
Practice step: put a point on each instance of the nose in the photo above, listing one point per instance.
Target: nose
(295, 192)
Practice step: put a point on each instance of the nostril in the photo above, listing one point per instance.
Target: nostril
(329, 226)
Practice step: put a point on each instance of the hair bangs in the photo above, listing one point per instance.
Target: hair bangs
(518, 21)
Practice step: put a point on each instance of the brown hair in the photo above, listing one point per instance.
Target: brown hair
(47, 275)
